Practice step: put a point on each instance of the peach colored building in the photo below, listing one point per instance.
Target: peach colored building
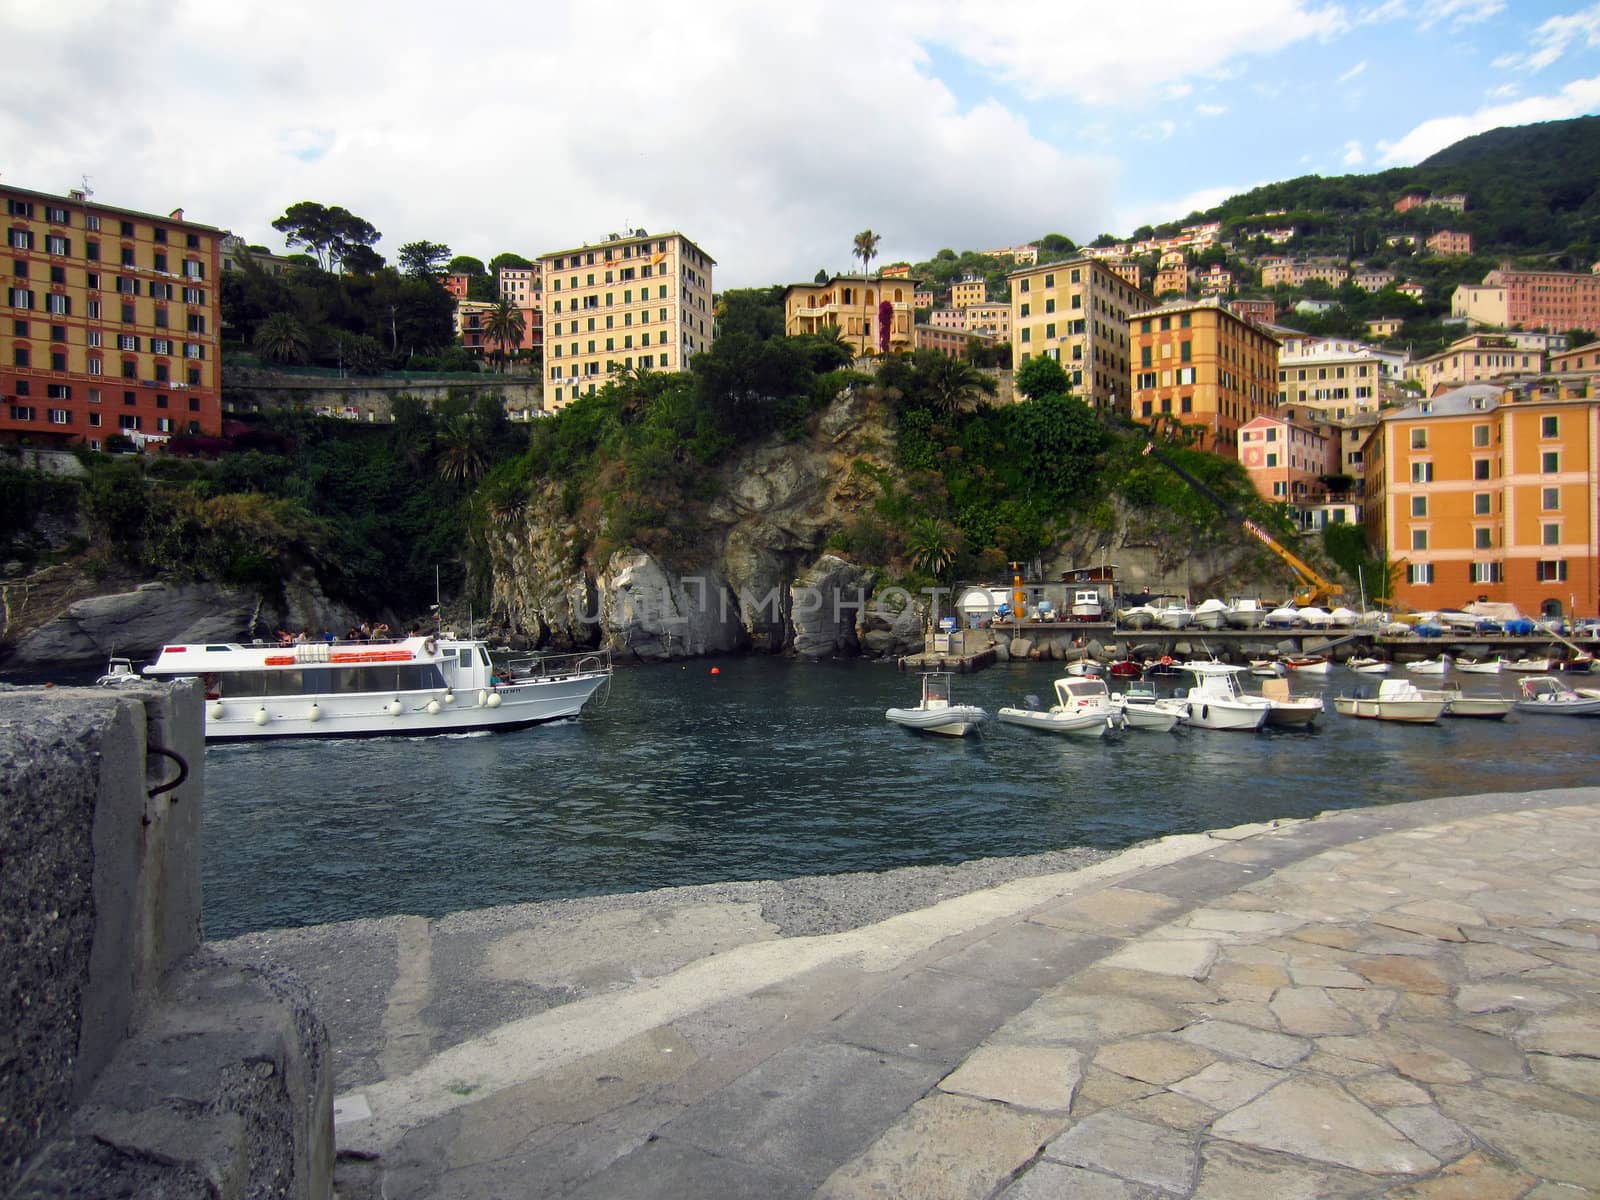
(990, 318)
(1129, 269)
(1475, 359)
(640, 302)
(1216, 280)
(112, 322)
(947, 318)
(1548, 299)
(1483, 496)
(1410, 200)
(1585, 358)
(853, 305)
(950, 342)
(1198, 364)
(1298, 273)
(1285, 459)
(1077, 312)
(1448, 241)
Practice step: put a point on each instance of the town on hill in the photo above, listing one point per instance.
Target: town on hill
(1400, 364)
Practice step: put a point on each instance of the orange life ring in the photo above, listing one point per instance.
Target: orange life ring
(1166, 660)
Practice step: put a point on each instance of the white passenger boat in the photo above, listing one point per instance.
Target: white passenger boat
(1082, 708)
(1141, 708)
(1209, 614)
(1548, 696)
(935, 713)
(1397, 700)
(411, 687)
(1215, 702)
(1479, 666)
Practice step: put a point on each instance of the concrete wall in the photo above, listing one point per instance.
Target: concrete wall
(132, 1061)
(368, 399)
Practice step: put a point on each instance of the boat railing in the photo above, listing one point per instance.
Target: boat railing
(533, 668)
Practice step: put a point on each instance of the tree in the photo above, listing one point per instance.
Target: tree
(462, 455)
(465, 264)
(362, 260)
(282, 339)
(507, 259)
(328, 232)
(952, 386)
(866, 250)
(1042, 376)
(821, 276)
(505, 324)
(423, 259)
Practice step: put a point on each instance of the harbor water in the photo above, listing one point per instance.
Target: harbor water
(770, 769)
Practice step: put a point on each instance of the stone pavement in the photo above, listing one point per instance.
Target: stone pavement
(1400, 1002)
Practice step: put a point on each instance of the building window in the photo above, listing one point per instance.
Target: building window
(1480, 504)
(1480, 435)
(20, 298)
(1486, 572)
(1550, 533)
(1482, 538)
(1419, 539)
(1422, 472)
(1550, 462)
(1549, 427)
(60, 416)
(1552, 570)
(1419, 439)
(1419, 573)
(1419, 506)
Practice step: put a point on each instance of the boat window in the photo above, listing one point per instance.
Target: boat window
(483, 656)
(465, 657)
(330, 681)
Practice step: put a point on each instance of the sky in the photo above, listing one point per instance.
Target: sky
(770, 135)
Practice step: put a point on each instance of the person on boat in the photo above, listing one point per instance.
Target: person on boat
(380, 632)
(302, 636)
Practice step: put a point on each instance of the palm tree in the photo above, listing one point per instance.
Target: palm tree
(954, 386)
(932, 547)
(866, 250)
(462, 455)
(282, 339)
(504, 324)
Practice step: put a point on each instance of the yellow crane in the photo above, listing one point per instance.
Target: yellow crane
(1314, 589)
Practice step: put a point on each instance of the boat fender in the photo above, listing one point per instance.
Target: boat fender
(431, 646)
(494, 700)
(1166, 660)
(1205, 712)
(433, 708)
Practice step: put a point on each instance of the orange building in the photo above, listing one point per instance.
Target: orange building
(113, 322)
(457, 283)
(1285, 459)
(1483, 495)
(1197, 362)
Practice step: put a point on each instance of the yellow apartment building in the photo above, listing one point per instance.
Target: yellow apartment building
(112, 322)
(639, 301)
(992, 319)
(1129, 269)
(1485, 496)
(854, 305)
(1297, 274)
(1475, 359)
(523, 286)
(1342, 381)
(1198, 363)
(1077, 312)
(1579, 358)
(970, 290)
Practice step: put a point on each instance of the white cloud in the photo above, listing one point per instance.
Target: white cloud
(1553, 38)
(765, 135)
(1389, 10)
(1504, 92)
(1459, 13)
(1178, 91)
(1354, 156)
(1159, 211)
(1579, 97)
(1210, 110)
(1353, 71)
(1023, 41)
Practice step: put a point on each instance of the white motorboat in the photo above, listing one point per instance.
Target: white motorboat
(1141, 708)
(935, 713)
(1140, 616)
(1082, 708)
(1394, 629)
(1086, 667)
(1316, 618)
(1245, 612)
(1479, 666)
(1344, 617)
(1458, 704)
(120, 673)
(1268, 668)
(411, 687)
(1174, 615)
(1215, 702)
(1283, 618)
(1289, 710)
(1209, 614)
(1087, 605)
(1547, 695)
(1397, 700)
(1430, 666)
(1368, 666)
(1530, 665)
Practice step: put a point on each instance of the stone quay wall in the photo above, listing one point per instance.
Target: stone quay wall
(368, 398)
(132, 1060)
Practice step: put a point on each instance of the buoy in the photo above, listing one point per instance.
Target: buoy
(494, 700)
(716, 670)
(216, 712)
(433, 708)
(394, 707)
(314, 714)
(261, 715)
(449, 696)
(483, 697)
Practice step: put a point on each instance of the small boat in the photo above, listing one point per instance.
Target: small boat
(1215, 702)
(1209, 614)
(1531, 665)
(1576, 664)
(1368, 666)
(1430, 666)
(1163, 666)
(1141, 708)
(1140, 616)
(1082, 708)
(1397, 700)
(1245, 612)
(1283, 618)
(1479, 666)
(1267, 667)
(120, 673)
(1316, 618)
(1174, 615)
(1125, 668)
(1394, 629)
(411, 687)
(1086, 667)
(1344, 617)
(1287, 710)
(1086, 605)
(1307, 664)
(935, 713)
(1547, 695)
(1457, 704)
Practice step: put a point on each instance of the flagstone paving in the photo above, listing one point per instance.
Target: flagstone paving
(1399, 1003)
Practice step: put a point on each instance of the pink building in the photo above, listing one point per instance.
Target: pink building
(1285, 460)
(1259, 311)
(1447, 241)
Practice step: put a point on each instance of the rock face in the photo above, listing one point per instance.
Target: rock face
(137, 623)
(756, 579)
